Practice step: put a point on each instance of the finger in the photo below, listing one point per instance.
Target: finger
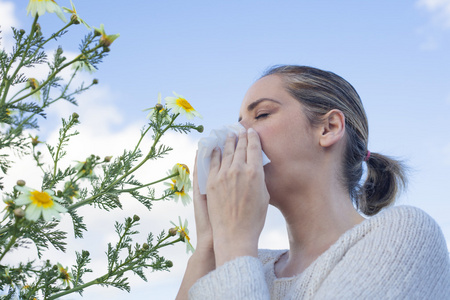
(254, 151)
(240, 155)
(214, 166)
(228, 150)
(196, 188)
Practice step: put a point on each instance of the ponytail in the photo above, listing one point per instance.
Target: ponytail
(386, 177)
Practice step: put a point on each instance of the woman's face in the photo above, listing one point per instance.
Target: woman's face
(286, 135)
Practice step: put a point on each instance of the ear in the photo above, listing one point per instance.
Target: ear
(333, 128)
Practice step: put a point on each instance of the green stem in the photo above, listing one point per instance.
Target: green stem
(148, 184)
(140, 140)
(117, 271)
(98, 280)
(3, 230)
(61, 139)
(53, 75)
(8, 247)
(51, 37)
(171, 243)
(28, 43)
(147, 157)
(18, 93)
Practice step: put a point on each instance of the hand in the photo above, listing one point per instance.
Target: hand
(237, 197)
(202, 223)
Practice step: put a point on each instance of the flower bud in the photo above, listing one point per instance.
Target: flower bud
(97, 33)
(32, 82)
(20, 182)
(59, 193)
(55, 267)
(136, 218)
(173, 231)
(74, 19)
(145, 246)
(38, 28)
(106, 49)
(38, 153)
(200, 128)
(22, 32)
(107, 158)
(182, 235)
(75, 115)
(85, 253)
(95, 81)
(19, 213)
(169, 264)
(35, 141)
(159, 107)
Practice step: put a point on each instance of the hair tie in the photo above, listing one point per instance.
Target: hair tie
(367, 156)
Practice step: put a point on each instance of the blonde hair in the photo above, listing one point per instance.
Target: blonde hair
(321, 91)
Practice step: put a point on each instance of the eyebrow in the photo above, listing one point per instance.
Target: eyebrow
(252, 105)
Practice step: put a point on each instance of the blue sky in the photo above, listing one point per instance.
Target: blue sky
(395, 53)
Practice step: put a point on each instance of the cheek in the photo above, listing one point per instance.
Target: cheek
(272, 139)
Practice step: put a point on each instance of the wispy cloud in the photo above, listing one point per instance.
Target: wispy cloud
(8, 20)
(439, 9)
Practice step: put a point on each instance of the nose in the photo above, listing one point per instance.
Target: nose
(243, 123)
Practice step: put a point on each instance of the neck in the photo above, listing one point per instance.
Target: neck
(315, 221)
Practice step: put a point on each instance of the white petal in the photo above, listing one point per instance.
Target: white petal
(23, 200)
(49, 213)
(32, 212)
(22, 189)
(58, 207)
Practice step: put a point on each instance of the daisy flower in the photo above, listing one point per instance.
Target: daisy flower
(64, 274)
(39, 203)
(179, 193)
(75, 17)
(34, 84)
(182, 179)
(183, 232)
(181, 106)
(157, 109)
(105, 40)
(84, 65)
(41, 6)
(85, 168)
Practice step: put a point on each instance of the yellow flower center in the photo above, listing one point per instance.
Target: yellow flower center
(41, 199)
(183, 234)
(184, 104)
(184, 167)
(180, 193)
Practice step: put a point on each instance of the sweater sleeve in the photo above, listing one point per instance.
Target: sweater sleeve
(241, 278)
(403, 256)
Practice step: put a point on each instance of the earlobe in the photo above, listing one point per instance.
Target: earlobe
(333, 128)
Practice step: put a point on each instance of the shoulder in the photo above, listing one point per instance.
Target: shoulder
(406, 233)
(406, 221)
(400, 253)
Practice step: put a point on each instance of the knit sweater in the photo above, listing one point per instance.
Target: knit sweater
(398, 254)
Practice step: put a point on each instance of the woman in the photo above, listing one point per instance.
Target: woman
(312, 126)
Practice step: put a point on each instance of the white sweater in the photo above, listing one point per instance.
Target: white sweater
(398, 254)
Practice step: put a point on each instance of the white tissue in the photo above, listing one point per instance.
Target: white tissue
(206, 145)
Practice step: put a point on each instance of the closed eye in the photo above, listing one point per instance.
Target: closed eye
(262, 116)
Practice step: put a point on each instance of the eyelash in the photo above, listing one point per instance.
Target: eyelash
(262, 116)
